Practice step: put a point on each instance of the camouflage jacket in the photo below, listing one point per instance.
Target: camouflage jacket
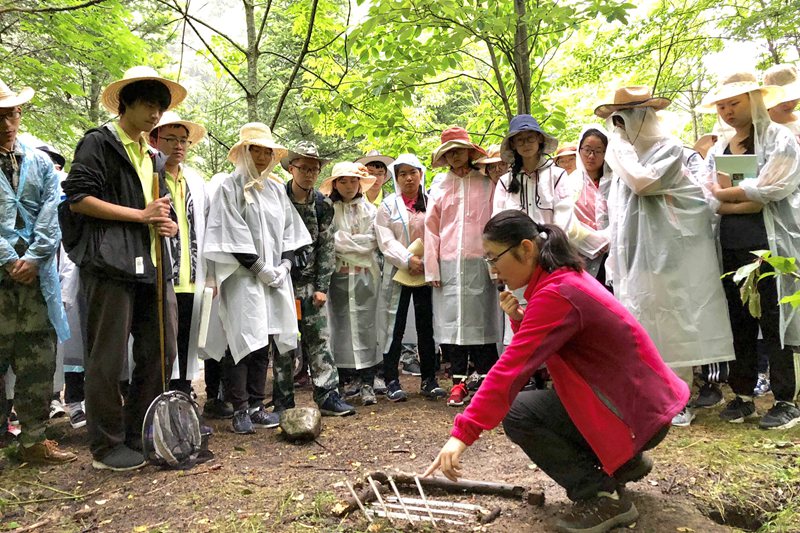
(318, 259)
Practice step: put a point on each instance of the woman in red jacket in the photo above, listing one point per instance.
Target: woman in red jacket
(613, 396)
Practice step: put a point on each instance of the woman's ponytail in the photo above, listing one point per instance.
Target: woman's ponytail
(555, 250)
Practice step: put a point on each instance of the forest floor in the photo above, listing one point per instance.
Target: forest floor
(710, 477)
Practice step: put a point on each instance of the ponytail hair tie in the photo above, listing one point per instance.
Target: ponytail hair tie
(542, 235)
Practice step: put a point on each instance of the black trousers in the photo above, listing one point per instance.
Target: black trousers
(423, 317)
(73, 387)
(245, 381)
(540, 425)
(212, 372)
(744, 370)
(185, 305)
(117, 310)
(483, 357)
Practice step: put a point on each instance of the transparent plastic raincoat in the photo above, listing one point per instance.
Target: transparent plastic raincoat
(663, 252)
(776, 187)
(36, 203)
(354, 289)
(251, 214)
(465, 306)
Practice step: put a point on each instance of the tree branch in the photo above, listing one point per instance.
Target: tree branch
(88, 3)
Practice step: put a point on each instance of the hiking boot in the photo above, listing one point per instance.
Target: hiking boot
(379, 385)
(120, 459)
(46, 452)
(216, 408)
(599, 514)
(56, 409)
(473, 382)
(684, 418)
(368, 395)
(634, 470)
(458, 395)
(782, 415)
(242, 423)
(709, 396)
(762, 385)
(430, 389)
(335, 406)
(77, 418)
(737, 410)
(411, 368)
(261, 418)
(394, 392)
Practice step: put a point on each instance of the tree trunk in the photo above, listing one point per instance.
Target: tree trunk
(95, 86)
(522, 59)
(252, 61)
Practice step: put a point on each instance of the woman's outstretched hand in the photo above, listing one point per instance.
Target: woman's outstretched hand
(510, 305)
(448, 460)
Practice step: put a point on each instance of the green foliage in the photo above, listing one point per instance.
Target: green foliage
(749, 275)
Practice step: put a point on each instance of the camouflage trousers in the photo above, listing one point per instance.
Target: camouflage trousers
(28, 347)
(315, 343)
(245, 381)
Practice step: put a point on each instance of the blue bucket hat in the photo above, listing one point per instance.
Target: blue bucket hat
(519, 124)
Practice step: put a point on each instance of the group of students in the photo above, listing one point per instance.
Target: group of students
(330, 269)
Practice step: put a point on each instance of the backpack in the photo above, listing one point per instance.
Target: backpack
(171, 432)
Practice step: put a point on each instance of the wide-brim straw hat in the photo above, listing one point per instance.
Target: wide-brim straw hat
(786, 77)
(403, 277)
(345, 169)
(633, 97)
(258, 134)
(734, 85)
(304, 149)
(492, 156)
(522, 123)
(110, 96)
(9, 98)
(171, 118)
(455, 137)
(570, 149)
(374, 156)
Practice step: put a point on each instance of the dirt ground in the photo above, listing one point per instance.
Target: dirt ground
(263, 483)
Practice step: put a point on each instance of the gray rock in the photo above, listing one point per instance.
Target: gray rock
(301, 423)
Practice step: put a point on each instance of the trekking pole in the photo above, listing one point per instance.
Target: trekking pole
(160, 291)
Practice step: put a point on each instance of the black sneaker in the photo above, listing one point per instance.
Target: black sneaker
(242, 423)
(77, 418)
(120, 459)
(598, 515)
(709, 396)
(738, 410)
(335, 406)
(261, 418)
(215, 408)
(411, 368)
(430, 389)
(394, 392)
(473, 382)
(782, 415)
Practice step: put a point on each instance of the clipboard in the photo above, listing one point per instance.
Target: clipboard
(739, 167)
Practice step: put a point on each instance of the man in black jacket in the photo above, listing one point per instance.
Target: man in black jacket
(115, 218)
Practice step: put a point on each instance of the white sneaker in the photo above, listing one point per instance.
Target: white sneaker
(684, 418)
(56, 409)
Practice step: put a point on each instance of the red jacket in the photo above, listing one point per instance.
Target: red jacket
(605, 369)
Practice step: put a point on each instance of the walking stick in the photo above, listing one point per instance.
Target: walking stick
(160, 291)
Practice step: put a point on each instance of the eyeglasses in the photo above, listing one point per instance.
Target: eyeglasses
(13, 115)
(532, 139)
(491, 262)
(311, 171)
(588, 151)
(175, 140)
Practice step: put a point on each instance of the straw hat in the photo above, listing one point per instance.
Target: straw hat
(734, 85)
(631, 98)
(569, 149)
(259, 134)
(403, 277)
(522, 123)
(374, 156)
(9, 98)
(455, 137)
(346, 168)
(786, 77)
(171, 118)
(492, 156)
(304, 149)
(110, 96)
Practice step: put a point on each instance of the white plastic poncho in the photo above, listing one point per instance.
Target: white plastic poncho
(465, 306)
(663, 252)
(396, 227)
(354, 288)
(777, 187)
(251, 214)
